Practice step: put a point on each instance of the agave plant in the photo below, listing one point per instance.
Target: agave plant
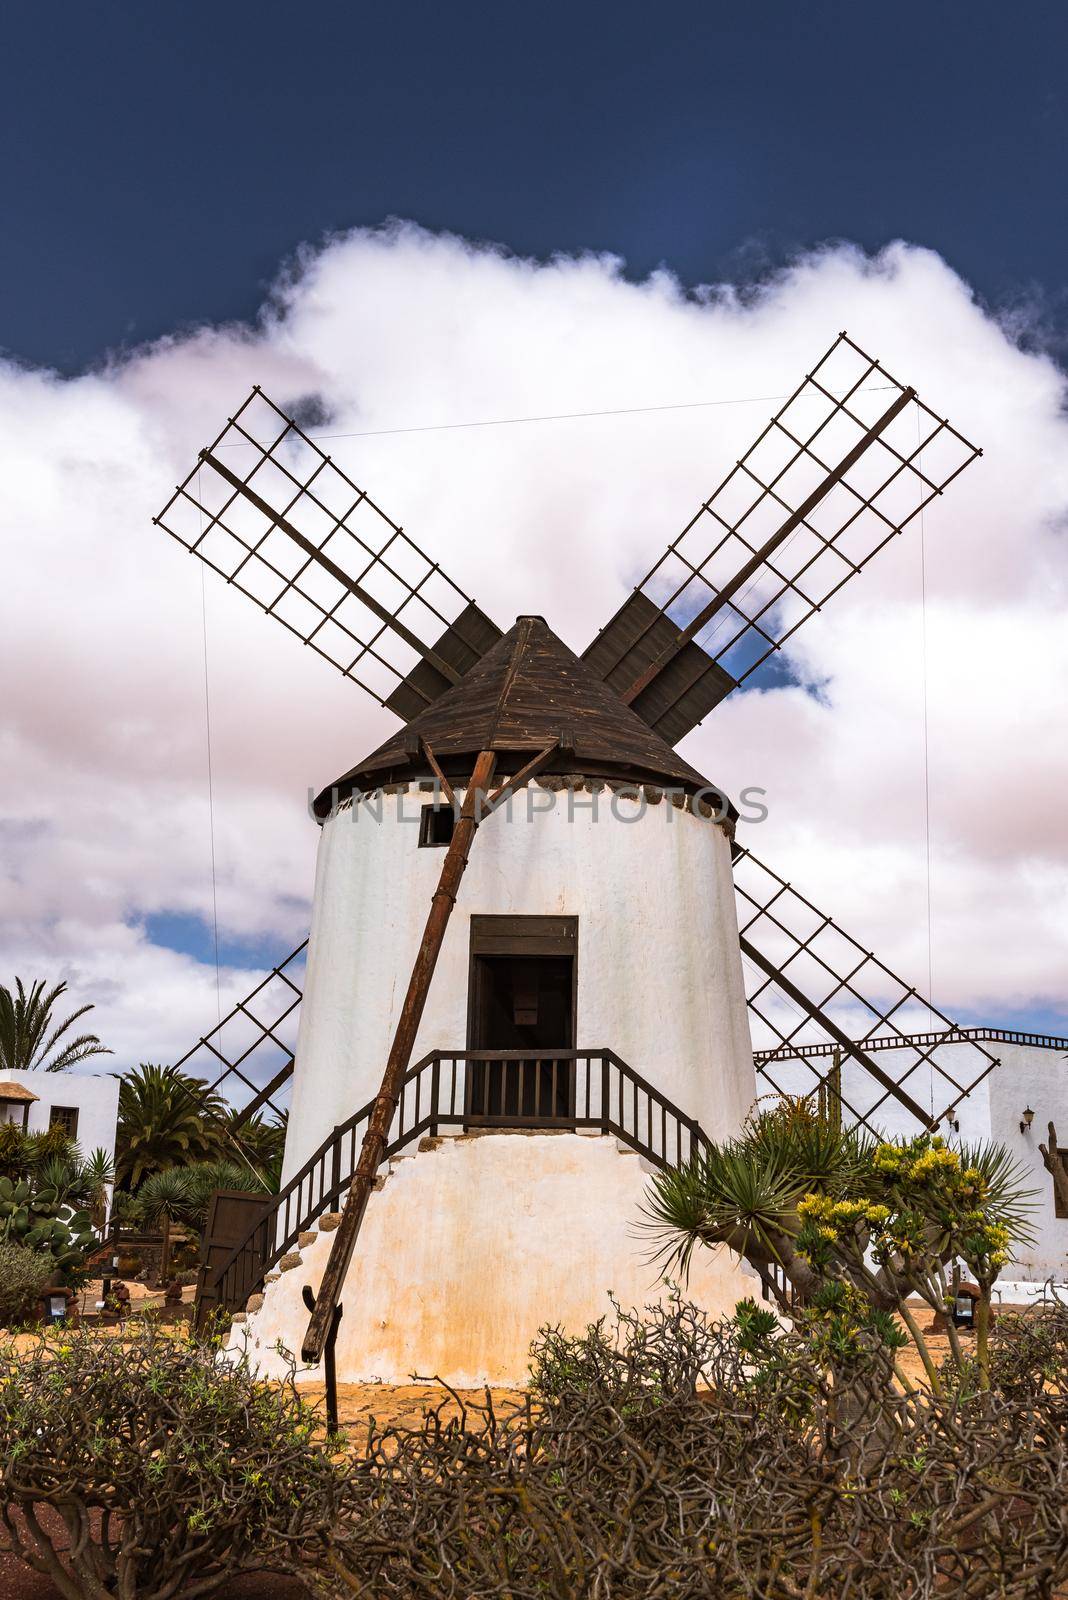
(167, 1198)
(95, 1177)
(30, 1040)
(816, 1148)
(80, 1182)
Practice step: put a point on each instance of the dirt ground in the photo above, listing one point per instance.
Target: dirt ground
(938, 1344)
(142, 1298)
(357, 1403)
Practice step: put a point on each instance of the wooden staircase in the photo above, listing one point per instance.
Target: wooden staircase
(562, 1090)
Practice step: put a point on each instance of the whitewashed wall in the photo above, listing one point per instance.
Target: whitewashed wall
(1035, 1077)
(96, 1096)
(473, 1244)
(470, 1247)
(659, 971)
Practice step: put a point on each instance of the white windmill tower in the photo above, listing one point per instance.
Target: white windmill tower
(573, 1009)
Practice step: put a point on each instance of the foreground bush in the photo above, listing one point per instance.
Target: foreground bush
(625, 1478)
(1030, 1354)
(660, 1458)
(23, 1275)
(169, 1472)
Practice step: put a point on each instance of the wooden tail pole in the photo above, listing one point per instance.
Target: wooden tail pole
(377, 1135)
(332, 1425)
(1055, 1161)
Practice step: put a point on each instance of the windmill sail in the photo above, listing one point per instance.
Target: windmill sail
(816, 996)
(276, 517)
(247, 1058)
(850, 459)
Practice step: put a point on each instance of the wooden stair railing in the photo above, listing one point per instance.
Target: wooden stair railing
(553, 1089)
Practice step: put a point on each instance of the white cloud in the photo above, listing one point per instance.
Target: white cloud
(103, 732)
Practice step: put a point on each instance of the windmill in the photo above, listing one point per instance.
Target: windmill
(850, 459)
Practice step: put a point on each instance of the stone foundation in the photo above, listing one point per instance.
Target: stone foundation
(469, 1248)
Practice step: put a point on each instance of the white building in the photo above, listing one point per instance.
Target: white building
(85, 1104)
(594, 937)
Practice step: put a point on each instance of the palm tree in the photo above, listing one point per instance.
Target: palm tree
(166, 1119)
(166, 1198)
(28, 1035)
(261, 1141)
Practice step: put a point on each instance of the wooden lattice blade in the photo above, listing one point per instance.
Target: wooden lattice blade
(276, 517)
(247, 1058)
(814, 991)
(684, 691)
(847, 463)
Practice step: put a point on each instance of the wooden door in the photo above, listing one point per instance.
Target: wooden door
(522, 1003)
(231, 1214)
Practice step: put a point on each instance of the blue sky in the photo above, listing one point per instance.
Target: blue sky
(161, 160)
(161, 163)
(193, 935)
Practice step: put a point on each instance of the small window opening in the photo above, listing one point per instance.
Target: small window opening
(65, 1117)
(436, 825)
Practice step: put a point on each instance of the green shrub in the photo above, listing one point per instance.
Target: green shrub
(666, 1457)
(126, 1210)
(1028, 1354)
(169, 1471)
(23, 1274)
(12, 1150)
(53, 1144)
(22, 1154)
(37, 1219)
(667, 1352)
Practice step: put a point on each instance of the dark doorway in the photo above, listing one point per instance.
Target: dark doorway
(522, 1002)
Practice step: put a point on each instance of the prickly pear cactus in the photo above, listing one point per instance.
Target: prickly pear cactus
(39, 1222)
(14, 1208)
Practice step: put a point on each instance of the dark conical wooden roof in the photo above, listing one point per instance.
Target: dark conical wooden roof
(527, 690)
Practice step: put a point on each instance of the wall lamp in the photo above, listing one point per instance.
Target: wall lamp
(953, 1119)
(1026, 1120)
